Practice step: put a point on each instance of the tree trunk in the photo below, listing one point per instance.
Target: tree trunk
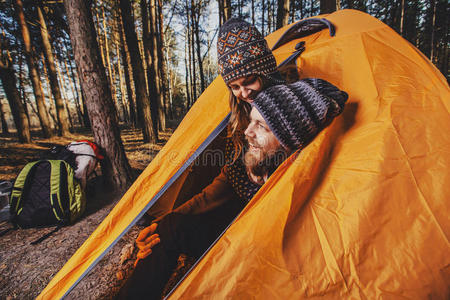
(51, 110)
(152, 80)
(128, 75)
(75, 95)
(22, 89)
(76, 80)
(220, 4)
(162, 62)
(227, 10)
(283, 13)
(121, 80)
(32, 71)
(143, 103)
(327, 6)
(108, 59)
(253, 12)
(269, 16)
(99, 36)
(5, 129)
(155, 59)
(263, 4)
(191, 57)
(59, 103)
(65, 99)
(115, 166)
(433, 20)
(169, 86)
(8, 79)
(187, 73)
(195, 15)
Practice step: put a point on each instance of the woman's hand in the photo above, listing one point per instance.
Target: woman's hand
(146, 240)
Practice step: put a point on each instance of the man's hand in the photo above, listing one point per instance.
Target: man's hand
(146, 240)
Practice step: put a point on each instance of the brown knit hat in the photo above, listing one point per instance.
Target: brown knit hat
(243, 51)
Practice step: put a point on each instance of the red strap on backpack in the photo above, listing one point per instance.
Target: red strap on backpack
(94, 147)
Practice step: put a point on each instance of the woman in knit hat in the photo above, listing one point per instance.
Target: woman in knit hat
(247, 66)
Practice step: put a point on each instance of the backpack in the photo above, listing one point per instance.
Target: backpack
(59, 152)
(45, 193)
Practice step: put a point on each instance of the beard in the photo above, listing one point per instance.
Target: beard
(263, 163)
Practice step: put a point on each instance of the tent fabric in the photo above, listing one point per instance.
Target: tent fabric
(363, 211)
(204, 120)
(360, 213)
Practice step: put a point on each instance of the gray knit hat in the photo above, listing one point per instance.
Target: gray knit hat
(297, 112)
(243, 51)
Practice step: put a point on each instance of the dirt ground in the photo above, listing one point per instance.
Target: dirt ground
(26, 269)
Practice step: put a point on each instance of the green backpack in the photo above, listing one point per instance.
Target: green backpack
(46, 193)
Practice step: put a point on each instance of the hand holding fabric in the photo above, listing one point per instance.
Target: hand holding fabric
(146, 240)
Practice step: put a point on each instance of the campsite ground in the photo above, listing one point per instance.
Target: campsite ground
(26, 269)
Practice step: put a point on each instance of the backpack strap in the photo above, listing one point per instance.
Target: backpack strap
(47, 235)
(60, 208)
(17, 190)
(71, 191)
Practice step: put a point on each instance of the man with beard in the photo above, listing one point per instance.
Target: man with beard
(283, 119)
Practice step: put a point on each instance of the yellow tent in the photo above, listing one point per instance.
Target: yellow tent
(362, 212)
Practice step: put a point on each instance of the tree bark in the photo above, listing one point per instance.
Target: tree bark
(108, 59)
(75, 94)
(5, 129)
(227, 10)
(283, 13)
(263, 4)
(8, 79)
(269, 15)
(32, 70)
(51, 110)
(115, 166)
(123, 107)
(155, 59)
(128, 75)
(433, 20)
(253, 12)
(220, 3)
(65, 99)
(187, 74)
(143, 103)
(195, 16)
(22, 89)
(99, 36)
(162, 62)
(152, 80)
(49, 60)
(192, 66)
(76, 80)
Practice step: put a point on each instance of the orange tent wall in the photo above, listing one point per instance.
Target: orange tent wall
(363, 211)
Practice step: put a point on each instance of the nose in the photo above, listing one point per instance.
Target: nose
(249, 131)
(245, 92)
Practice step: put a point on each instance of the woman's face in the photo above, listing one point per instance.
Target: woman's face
(246, 88)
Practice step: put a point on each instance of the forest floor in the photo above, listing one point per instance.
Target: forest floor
(26, 269)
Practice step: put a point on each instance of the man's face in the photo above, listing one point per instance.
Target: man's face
(246, 88)
(263, 146)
